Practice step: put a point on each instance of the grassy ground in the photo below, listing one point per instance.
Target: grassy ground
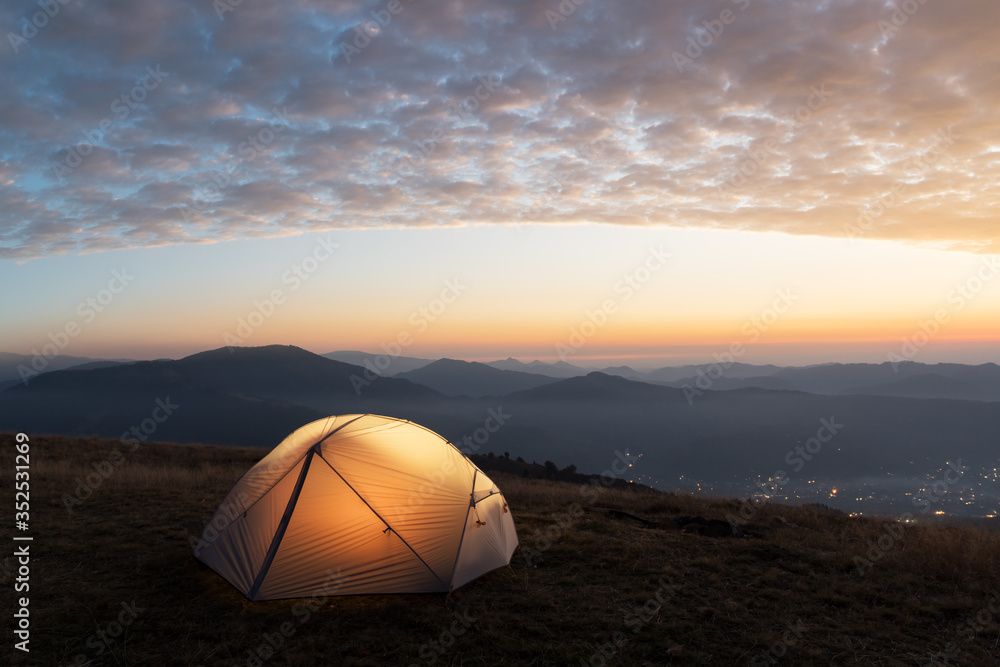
(112, 582)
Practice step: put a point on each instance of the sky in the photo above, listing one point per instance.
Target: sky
(600, 182)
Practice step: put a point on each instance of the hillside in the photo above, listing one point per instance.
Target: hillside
(239, 396)
(113, 581)
(559, 369)
(904, 379)
(722, 435)
(18, 368)
(889, 449)
(464, 378)
(379, 363)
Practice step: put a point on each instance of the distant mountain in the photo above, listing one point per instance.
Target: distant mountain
(672, 374)
(15, 367)
(734, 435)
(927, 385)
(599, 386)
(676, 375)
(89, 366)
(230, 396)
(97, 364)
(625, 372)
(289, 373)
(725, 383)
(849, 378)
(256, 396)
(559, 369)
(464, 378)
(664, 375)
(906, 379)
(840, 378)
(380, 363)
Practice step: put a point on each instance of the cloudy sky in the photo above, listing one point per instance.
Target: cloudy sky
(817, 181)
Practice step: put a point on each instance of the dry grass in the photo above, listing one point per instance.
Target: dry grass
(598, 589)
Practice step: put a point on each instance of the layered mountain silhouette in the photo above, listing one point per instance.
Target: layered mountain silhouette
(559, 369)
(980, 382)
(928, 385)
(904, 379)
(252, 396)
(731, 435)
(464, 378)
(17, 368)
(256, 396)
(380, 363)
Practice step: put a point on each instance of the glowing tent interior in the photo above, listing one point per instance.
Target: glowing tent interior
(381, 505)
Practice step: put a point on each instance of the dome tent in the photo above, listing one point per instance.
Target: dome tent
(383, 504)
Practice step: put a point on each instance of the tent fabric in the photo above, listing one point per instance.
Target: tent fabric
(372, 503)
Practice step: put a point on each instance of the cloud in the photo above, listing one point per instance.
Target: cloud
(276, 118)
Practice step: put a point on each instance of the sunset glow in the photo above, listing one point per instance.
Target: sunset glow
(500, 181)
(589, 299)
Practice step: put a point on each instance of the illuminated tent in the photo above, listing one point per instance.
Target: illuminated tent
(359, 504)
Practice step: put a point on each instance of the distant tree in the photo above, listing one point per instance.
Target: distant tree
(569, 470)
(520, 460)
(490, 456)
(550, 470)
(506, 455)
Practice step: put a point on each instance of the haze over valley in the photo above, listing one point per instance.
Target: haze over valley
(869, 438)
